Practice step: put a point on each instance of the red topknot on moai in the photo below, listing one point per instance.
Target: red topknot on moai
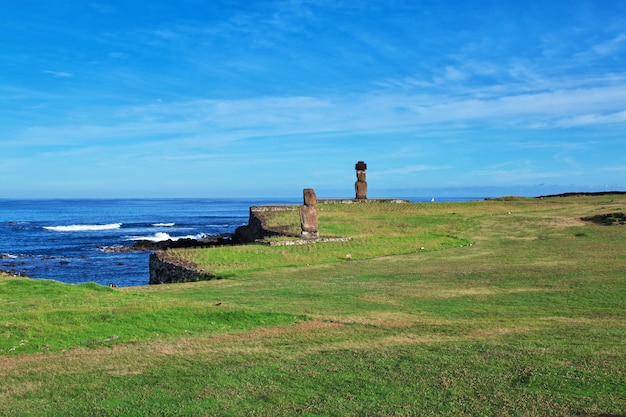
(360, 186)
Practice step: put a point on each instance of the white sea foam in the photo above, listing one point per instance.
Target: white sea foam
(157, 237)
(162, 236)
(83, 227)
(163, 224)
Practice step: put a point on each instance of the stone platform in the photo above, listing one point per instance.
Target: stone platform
(355, 200)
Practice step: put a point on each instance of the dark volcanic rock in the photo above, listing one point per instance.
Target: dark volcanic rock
(609, 219)
(148, 245)
(167, 270)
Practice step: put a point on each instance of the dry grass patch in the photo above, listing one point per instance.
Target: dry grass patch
(386, 342)
(565, 222)
(18, 389)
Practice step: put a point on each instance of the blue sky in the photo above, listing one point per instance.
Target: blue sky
(228, 98)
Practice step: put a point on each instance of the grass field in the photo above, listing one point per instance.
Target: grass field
(508, 308)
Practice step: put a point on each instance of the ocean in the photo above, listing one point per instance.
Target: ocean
(66, 239)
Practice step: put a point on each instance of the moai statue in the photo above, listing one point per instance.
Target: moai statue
(308, 214)
(360, 186)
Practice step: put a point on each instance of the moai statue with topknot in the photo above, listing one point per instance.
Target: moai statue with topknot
(308, 214)
(360, 186)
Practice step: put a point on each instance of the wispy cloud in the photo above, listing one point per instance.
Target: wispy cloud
(553, 144)
(60, 74)
(621, 168)
(521, 175)
(611, 46)
(240, 119)
(117, 55)
(411, 169)
(594, 119)
(103, 8)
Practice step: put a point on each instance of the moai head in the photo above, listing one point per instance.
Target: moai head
(310, 199)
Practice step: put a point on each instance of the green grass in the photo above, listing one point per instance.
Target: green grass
(375, 230)
(529, 320)
(42, 315)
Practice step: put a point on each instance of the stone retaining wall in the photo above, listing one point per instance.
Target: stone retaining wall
(357, 201)
(257, 228)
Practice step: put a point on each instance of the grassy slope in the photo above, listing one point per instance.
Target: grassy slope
(528, 320)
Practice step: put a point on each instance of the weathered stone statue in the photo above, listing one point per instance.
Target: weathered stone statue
(360, 186)
(308, 214)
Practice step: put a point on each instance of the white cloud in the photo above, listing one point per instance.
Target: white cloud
(451, 74)
(517, 175)
(60, 74)
(593, 119)
(103, 8)
(554, 144)
(117, 55)
(224, 121)
(610, 46)
(410, 169)
(621, 168)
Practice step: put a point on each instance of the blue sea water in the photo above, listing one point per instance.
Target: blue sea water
(64, 239)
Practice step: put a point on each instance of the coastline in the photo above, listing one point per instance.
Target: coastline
(127, 264)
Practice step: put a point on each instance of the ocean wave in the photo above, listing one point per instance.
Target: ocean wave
(163, 224)
(162, 236)
(83, 227)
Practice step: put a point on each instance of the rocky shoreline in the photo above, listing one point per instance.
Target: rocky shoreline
(148, 245)
(165, 269)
